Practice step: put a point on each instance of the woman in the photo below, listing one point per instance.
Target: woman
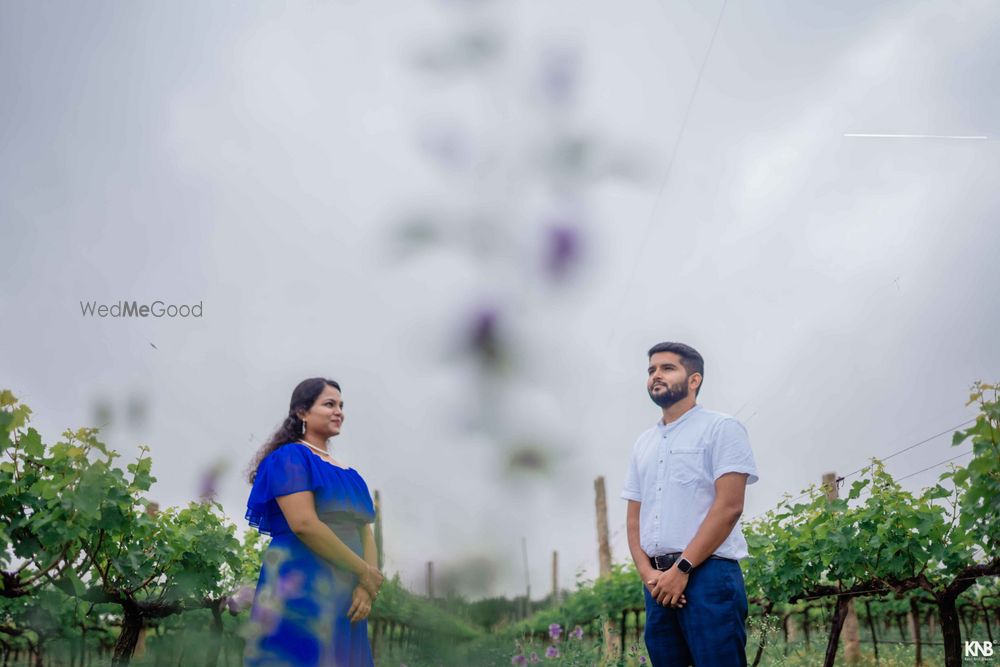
(319, 575)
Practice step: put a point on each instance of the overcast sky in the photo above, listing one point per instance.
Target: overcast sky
(268, 161)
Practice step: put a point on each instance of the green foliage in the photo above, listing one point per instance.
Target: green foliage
(175, 556)
(890, 536)
(607, 597)
(78, 531)
(880, 539)
(397, 605)
(882, 535)
(56, 500)
(980, 479)
(79, 544)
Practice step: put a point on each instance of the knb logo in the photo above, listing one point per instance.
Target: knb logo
(976, 649)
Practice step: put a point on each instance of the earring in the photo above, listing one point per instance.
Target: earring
(303, 427)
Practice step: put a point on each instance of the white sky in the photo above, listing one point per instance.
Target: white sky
(259, 158)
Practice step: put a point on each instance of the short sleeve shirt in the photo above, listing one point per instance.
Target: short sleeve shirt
(672, 474)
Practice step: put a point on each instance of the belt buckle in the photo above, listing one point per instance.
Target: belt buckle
(665, 562)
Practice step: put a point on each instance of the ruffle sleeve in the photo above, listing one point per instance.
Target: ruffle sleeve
(292, 468)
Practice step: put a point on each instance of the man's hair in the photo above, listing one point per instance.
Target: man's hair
(691, 360)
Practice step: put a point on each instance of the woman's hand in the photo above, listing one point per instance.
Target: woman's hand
(371, 579)
(361, 605)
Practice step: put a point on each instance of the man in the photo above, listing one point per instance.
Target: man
(685, 488)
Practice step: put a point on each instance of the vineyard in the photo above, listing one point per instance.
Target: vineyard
(909, 560)
(94, 573)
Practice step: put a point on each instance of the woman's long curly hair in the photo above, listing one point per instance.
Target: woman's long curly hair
(303, 397)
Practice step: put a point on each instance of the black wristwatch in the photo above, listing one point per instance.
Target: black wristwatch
(685, 566)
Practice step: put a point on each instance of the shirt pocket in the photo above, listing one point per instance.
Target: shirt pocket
(687, 465)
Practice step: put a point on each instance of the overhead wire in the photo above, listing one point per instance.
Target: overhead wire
(840, 480)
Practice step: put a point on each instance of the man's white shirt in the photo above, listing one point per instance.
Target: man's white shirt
(672, 474)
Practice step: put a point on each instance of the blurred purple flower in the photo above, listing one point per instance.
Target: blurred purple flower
(562, 249)
(207, 490)
(208, 485)
(642, 660)
(291, 585)
(484, 337)
(554, 631)
(518, 660)
(577, 633)
(534, 658)
(241, 599)
(266, 617)
(552, 652)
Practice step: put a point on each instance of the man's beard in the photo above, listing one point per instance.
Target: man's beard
(670, 394)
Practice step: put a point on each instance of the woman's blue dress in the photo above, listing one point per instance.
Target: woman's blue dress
(299, 614)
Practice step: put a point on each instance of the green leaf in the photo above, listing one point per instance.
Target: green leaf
(31, 443)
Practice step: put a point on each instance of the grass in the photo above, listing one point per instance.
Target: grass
(496, 651)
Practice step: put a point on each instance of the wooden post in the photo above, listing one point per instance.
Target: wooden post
(378, 530)
(527, 578)
(140, 644)
(604, 557)
(555, 578)
(430, 579)
(914, 619)
(791, 630)
(603, 543)
(851, 634)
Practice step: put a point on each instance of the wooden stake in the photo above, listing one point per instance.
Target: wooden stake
(604, 560)
(791, 630)
(555, 578)
(914, 619)
(527, 578)
(430, 579)
(603, 543)
(378, 530)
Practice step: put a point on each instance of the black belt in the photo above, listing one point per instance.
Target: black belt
(666, 561)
